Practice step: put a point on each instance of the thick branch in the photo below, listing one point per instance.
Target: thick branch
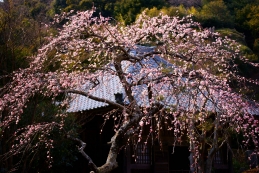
(185, 58)
(117, 139)
(116, 143)
(97, 98)
(125, 84)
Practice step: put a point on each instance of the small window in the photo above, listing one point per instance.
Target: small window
(142, 153)
(119, 98)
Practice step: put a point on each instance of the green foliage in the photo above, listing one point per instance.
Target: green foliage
(180, 11)
(57, 6)
(71, 7)
(85, 4)
(205, 2)
(233, 34)
(235, 5)
(256, 46)
(193, 11)
(206, 126)
(128, 9)
(37, 8)
(19, 33)
(125, 10)
(70, 2)
(175, 11)
(215, 13)
(247, 18)
(240, 39)
(153, 12)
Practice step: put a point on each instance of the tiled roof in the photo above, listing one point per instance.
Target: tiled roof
(109, 84)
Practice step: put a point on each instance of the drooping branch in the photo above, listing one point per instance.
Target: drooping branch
(81, 150)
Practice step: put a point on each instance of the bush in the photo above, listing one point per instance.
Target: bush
(216, 14)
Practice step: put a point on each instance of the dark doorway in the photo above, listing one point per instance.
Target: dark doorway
(179, 159)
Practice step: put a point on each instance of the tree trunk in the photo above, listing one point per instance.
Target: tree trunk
(192, 147)
(111, 162)
(209, 164)
(192, 170)
(209, 160)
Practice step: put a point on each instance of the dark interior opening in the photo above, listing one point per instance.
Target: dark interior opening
(179, 160)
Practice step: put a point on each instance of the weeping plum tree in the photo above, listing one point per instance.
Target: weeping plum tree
(183, 95)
